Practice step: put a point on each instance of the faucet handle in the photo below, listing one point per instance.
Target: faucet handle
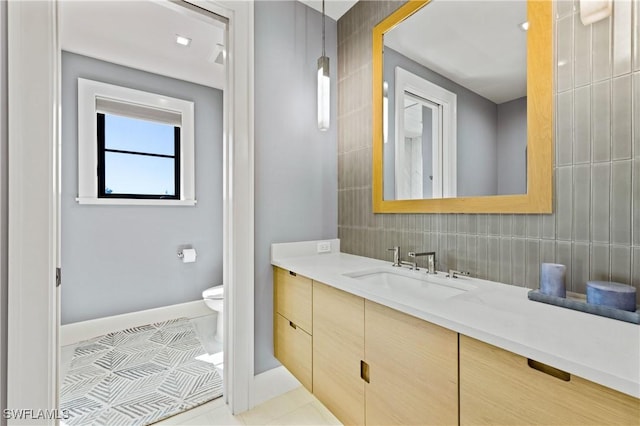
(396, 255)
(454, 274)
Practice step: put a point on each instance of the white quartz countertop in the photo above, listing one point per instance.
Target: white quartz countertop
(599, 349)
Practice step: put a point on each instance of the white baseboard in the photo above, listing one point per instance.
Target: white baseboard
(272, 383)
(84, 330)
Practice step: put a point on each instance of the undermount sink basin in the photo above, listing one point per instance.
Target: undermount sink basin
(414, 285)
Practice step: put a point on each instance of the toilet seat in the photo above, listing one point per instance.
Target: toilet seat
(214, 293)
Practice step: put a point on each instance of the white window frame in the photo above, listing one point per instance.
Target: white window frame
(445, 162)
(88, 92)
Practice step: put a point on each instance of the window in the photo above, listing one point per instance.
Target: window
(134, 147)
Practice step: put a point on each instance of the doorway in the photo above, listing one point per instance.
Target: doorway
(33, 242)
(138, 101)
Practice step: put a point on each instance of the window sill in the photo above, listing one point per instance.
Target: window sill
(134, 202)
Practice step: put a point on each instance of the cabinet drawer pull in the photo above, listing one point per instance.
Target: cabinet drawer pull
(364, 371)
(292, 325)
(547, 369)
(293, 273)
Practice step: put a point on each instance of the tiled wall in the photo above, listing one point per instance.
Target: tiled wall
(595, 227)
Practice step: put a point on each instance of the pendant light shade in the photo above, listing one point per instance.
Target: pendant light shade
(324, 93)
(324, 85)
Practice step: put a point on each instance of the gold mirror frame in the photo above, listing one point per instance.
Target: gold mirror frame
(538, 198)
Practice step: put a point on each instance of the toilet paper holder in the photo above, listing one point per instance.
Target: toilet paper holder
(187, 254)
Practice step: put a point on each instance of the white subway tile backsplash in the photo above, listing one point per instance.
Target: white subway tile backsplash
(635, 276)
(621, 117)
(621, 264)
(622, 20)
(635, 226)
(564, 8)
(482, 257)
(472, 253)
(600, 263)
(493, 259)
(533, 226)
(636, 112)
(600, 196)
(506, 225)
(505, 261)
(563, 256)
(564, 52)
(581, 202)
(564, 129)
(564, 205)
(532, 264)
(518, 260)
(580, 267)
(595, 227)
(519, 225)
(601, 49)
(548, 251)
(582, 125)
(621, 202)
(601, 122)
(582, 52)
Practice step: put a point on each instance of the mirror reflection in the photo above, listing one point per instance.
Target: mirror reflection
(455, 101)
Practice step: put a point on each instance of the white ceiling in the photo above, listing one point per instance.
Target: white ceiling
(332, 8)
(477, 44)
(141, 34)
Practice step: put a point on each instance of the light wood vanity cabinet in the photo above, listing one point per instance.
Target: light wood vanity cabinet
(413, 369)
(292, 324)
(338, 349)
(500, 387)
(374, 365)
(370, 364)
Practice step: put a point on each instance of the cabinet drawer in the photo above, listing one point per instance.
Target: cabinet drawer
(500, 387)
(293, 349)
(293, 297)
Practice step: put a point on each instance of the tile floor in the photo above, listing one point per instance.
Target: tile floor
(297, 407)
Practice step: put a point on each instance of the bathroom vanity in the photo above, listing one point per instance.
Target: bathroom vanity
(382, 345)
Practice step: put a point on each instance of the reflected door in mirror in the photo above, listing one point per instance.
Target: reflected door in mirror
(455, 73)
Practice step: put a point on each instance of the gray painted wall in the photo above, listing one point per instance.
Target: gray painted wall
(3, 209)
(512, 145)
(295, 163)
(477, 117)
(595, 227)
(119, 259)
(427, 153)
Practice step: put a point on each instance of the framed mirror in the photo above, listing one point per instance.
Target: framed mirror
(462, 108)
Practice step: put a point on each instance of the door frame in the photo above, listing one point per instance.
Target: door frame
(34, 194)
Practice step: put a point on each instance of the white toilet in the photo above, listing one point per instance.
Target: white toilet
(214, 298)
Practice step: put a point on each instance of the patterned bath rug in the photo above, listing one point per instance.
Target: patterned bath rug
(138, 376)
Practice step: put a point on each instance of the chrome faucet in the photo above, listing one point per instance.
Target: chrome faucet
(454, 274)
(396, 256)
(413, 265)
(431, 260)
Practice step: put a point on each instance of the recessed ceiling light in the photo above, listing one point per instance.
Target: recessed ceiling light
(524, 26)
(183, 41)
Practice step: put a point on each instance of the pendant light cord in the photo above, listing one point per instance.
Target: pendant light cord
(323, 53)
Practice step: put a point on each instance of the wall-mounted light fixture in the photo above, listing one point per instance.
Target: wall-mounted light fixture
(594, 10)
(324, 85)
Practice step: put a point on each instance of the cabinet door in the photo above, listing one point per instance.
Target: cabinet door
(338, 349)
(293, 297)
(500, 387)
(413, 369)
(292, 347)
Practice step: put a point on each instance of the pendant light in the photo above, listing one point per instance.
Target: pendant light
(324, 85)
